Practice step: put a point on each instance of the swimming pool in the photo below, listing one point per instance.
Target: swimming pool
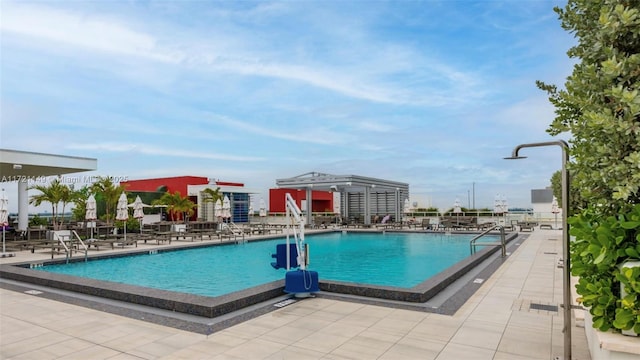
(213, 306)
(391, 259)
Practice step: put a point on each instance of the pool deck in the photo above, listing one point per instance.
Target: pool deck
(497, 322)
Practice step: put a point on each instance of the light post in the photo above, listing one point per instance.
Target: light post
(566, 270)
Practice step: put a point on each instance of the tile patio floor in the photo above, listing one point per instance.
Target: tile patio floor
(495, 323)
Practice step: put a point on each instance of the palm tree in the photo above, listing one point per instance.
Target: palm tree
(55, 193)
(176, 204)
(212, 196)
(80, 202)
(69, 195)
(186, 207)
(108, 192)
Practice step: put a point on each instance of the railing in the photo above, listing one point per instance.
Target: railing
(503, 244)
(86, 249)
(295, 226)
(235, 230)
(72, 237)
(64, 245)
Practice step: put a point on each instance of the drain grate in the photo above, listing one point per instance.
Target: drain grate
(550, 253)
(544, 307)
(539, 307)
(284, 303)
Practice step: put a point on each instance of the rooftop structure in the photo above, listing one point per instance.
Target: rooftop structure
(360, 196)
(26, 168)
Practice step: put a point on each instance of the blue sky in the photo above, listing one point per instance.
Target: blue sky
(431, 93)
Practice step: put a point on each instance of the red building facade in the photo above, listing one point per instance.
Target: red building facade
(321, 201)
(168, 184)
(181, 185)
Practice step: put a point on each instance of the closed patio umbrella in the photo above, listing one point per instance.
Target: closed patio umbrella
(122, 212)
(91, 213)
(406, 208)
(263, 209)
(217, 209)
(457, 209)
(138, 210)
(226, 208)
(500, 205)
(4, 216)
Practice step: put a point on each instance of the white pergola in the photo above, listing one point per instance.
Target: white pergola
(352, 187)
(26, 167)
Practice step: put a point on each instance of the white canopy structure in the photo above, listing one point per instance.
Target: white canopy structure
(360, 196)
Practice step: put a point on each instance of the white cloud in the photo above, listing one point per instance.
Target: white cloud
(366, 81)
(139, 148)
(81, 30)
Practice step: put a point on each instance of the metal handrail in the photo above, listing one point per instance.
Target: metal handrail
(235, 230)
(502, 244)
(66, 249)
(86, 249)
(296, 219)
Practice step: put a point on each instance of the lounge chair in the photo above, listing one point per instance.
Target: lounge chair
(530, 226)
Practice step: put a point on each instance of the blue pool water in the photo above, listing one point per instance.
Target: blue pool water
(391, 259)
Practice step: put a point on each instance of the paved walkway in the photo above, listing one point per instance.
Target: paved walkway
(496, 323)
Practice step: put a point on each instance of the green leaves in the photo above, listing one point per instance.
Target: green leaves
(601, 245)
(633, 252)
(625, 319)
(599, 108)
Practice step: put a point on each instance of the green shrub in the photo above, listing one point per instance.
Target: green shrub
(36, 221)
(602, 244)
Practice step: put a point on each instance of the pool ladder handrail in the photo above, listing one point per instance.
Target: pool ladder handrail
(67, 250)
(86, 249)
(502, 243)
(61, 241)
(235, 230)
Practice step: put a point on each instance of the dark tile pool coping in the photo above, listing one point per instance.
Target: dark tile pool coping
(211, 307)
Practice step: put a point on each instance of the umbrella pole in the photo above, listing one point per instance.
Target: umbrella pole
(3, 239)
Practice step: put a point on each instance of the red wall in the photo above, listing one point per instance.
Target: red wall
(173, 184)
(321, 201)
(226, 183)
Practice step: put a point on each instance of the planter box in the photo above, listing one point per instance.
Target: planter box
(609, 345)
(623, 293)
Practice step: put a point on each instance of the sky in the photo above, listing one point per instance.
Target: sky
(431, 93)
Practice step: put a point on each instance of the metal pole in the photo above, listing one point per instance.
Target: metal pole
(566, 279)
(474, 195)
(566, 269)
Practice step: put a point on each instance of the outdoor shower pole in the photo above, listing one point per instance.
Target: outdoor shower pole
(566, 268)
